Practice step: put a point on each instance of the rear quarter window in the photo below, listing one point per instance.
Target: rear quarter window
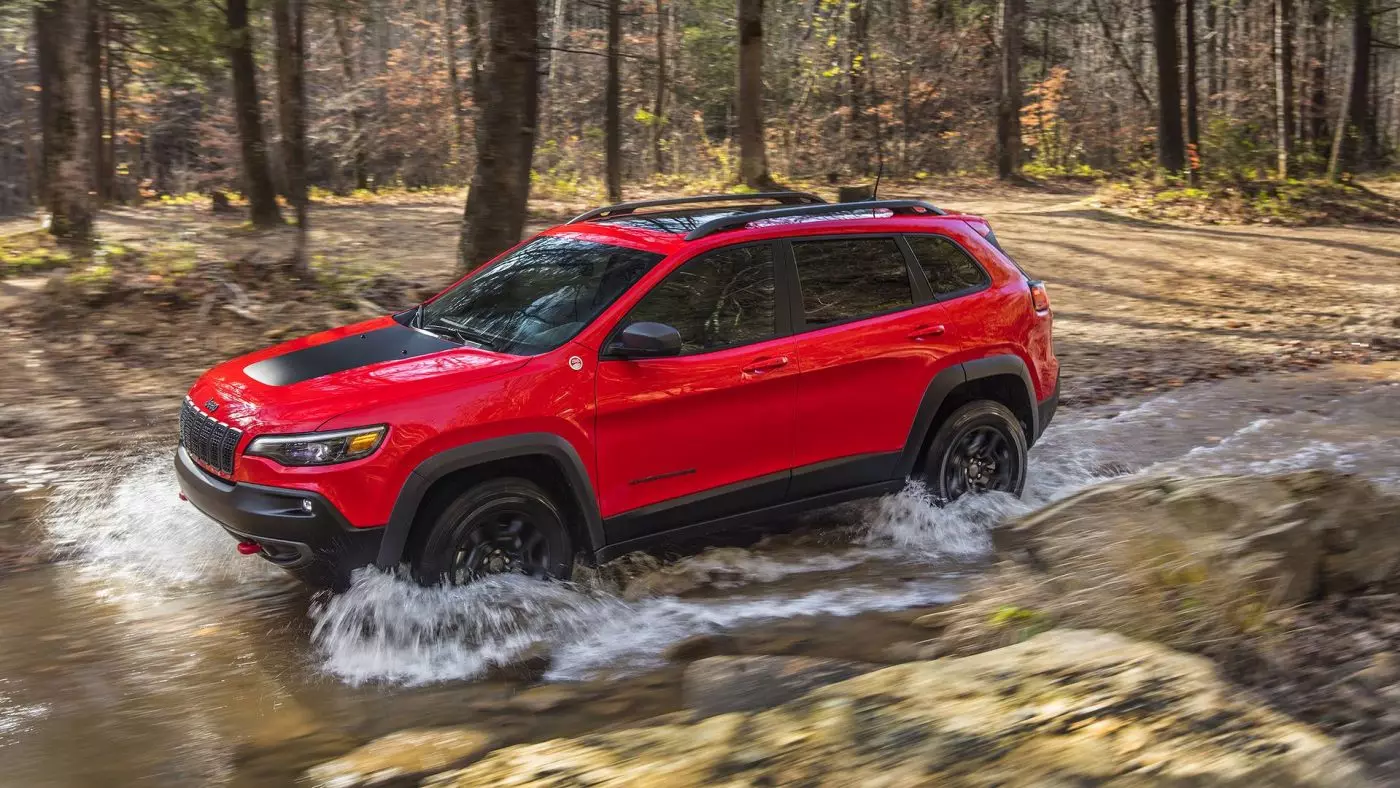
(949, 269)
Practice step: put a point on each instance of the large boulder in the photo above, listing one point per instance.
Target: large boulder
(1286, 538)
(1206, 564)
(1067, 708)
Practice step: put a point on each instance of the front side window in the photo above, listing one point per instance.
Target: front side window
(717, 300)
(949, 269)
(538, 297)
(850, 278)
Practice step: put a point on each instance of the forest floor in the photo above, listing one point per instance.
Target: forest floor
(1140, 305)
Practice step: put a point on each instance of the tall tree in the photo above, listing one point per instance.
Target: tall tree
(753, 157)
(289, 20)
(1283, 82)
(359, 163)
(612, 101)
(508, 102)
(459, 120)
(1193, 109)
(1010, 93)
(66, 173)
(1316, 104)
(658, 107)
(1171, 155)
(92, 48)
(257, 179)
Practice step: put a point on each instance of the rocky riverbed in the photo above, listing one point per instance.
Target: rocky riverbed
(120, 664)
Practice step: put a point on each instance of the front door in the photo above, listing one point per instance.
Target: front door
(709, 432)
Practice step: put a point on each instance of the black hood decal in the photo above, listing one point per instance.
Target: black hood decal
(357, 350)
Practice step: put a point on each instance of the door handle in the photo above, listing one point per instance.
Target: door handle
(763, 365)
(925, 332)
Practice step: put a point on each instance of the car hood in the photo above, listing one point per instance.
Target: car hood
(299, 385)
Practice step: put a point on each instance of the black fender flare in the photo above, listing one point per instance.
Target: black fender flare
(555, 447)
(943, 384)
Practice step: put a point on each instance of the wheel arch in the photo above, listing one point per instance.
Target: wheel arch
(544, 458)
(1003, 378)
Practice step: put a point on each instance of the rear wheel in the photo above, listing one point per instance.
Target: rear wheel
(981, 447)
(499, 526)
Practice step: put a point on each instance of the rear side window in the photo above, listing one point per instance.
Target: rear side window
(718, 300)
(850, 278)
(949, 269)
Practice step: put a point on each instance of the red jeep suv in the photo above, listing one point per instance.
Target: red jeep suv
(646, 371)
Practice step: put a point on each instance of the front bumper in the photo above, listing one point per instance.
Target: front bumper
(312, 541)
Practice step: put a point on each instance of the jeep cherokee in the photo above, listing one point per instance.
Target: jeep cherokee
(645, 371)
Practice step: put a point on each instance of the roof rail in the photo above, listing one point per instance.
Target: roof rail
(721, 223)
(624, 208)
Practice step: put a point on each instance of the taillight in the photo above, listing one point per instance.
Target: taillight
(1040, 299)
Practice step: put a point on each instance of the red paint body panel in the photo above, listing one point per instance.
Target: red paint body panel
(655, 430)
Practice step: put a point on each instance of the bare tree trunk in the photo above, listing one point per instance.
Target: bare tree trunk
(507, 108)
(1010, 93)
(289, 20)
(1122, 57)
(1343, 137)
(360, 170)
(262, 197)
(753, 159)
(67, 173)
(858, 71)
(476, 50)
(658, 107)
(1170, 145)
(92, 48)
(1283, 82)
(449, 35)
(108, 178)
(612, 101)
(1317, 77)
(1193, 121)
(1359, 89)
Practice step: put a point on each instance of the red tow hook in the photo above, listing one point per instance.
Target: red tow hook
(182, 497)
(249, 548)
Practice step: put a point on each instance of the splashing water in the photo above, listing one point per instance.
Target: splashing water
(123, 518)
(123, 521)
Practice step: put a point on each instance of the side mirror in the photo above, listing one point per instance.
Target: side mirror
(646, 340)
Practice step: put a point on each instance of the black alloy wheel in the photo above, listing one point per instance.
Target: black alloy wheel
(506, 543)
(495, 527)
(980, 447)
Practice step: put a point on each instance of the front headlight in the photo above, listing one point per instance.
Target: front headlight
(319, 448)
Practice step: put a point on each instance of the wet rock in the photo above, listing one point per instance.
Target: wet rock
(1383, 671)
(1070, 707)
(909, 651)
(546, 697)
(1286, 538)
(699, 647)
(402, 758)
(527, 667)
(716, 567)
(720, 685)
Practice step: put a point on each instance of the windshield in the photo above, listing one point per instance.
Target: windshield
(538, 297)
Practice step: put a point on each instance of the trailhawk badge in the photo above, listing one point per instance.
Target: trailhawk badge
(575, 363)
(211, 406)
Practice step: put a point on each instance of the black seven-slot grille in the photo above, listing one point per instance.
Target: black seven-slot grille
(207, 439)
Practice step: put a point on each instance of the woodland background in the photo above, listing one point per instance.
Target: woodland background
(273, 103)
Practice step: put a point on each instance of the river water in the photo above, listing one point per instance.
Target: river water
(153, 653)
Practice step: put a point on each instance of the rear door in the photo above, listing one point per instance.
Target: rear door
(709, 432)
(870, 340)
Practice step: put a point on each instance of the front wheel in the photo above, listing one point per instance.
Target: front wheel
(980, 448)
(500, 526)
